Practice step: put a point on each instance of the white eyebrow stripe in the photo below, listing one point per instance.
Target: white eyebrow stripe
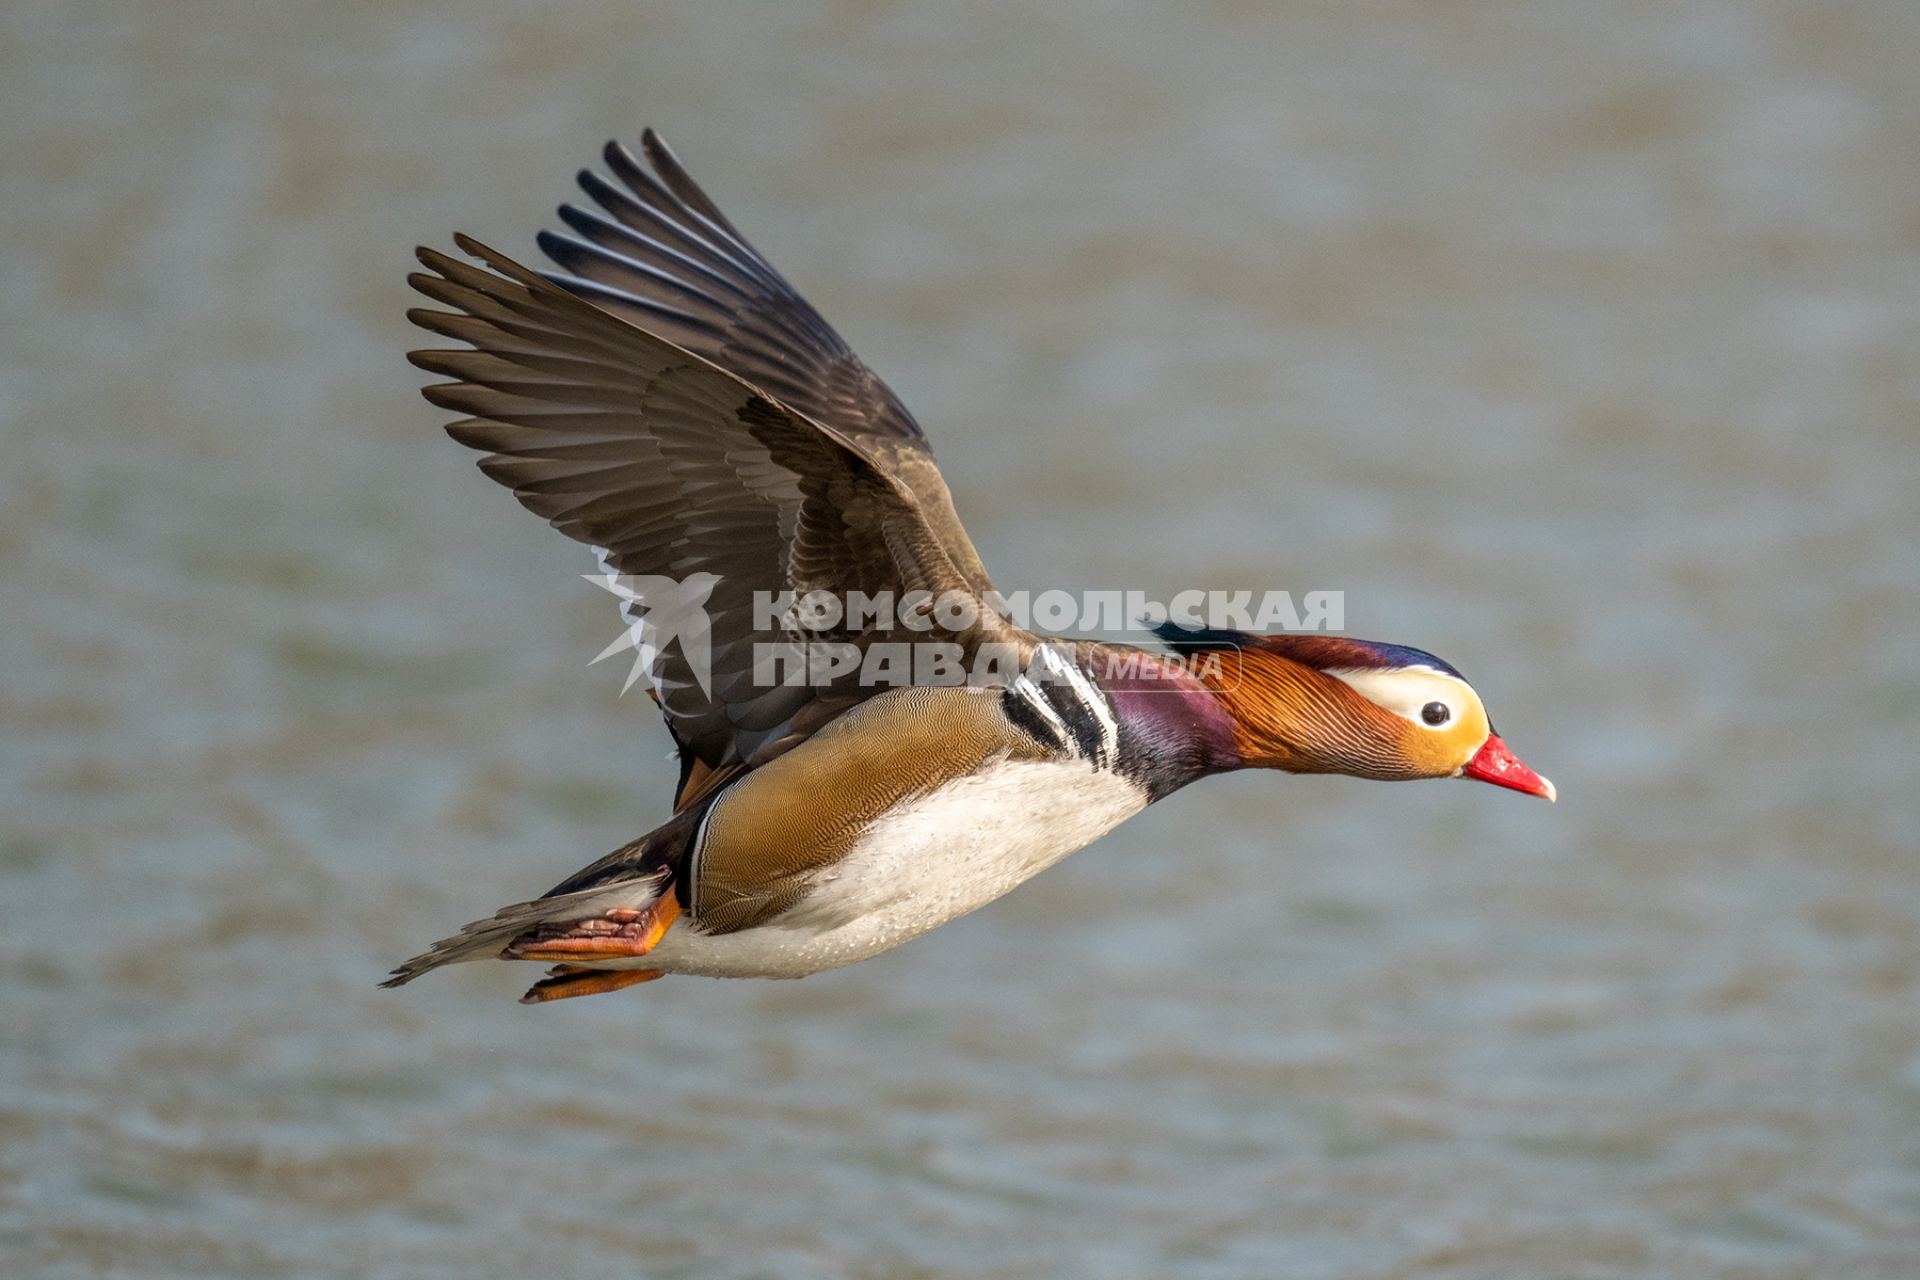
(1405, 690)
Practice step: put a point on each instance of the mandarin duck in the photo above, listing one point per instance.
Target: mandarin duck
(665, 397)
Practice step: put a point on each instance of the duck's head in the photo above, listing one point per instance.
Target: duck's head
(1332, 704)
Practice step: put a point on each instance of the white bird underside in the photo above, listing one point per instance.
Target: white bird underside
(929, 860)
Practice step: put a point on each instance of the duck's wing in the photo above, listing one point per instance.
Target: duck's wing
(675, 469)
(659, 252)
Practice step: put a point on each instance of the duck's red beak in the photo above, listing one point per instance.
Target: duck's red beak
(1494, 763)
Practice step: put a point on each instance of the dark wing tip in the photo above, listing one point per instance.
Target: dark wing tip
(426, 317)
(565, 250)
(616, 154)
(656, 148)
(457, 363)
(452, 396)
(476, 433)
(433, 361)
(442, 269)
(434, 259)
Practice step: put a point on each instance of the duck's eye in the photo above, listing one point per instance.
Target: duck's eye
(1436, 713)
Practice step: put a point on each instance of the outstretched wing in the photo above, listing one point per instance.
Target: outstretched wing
(673, 468)
(659, 252)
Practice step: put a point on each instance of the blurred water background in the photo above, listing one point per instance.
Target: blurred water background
(1576, 343)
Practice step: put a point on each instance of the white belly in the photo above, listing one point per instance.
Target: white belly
(929, 860)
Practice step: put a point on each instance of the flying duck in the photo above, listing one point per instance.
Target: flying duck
(667, 398)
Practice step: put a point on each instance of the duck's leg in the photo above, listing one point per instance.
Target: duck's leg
(565, 981)
(624, 933)
(621, 934)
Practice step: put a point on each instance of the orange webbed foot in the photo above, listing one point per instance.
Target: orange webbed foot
(564, 982)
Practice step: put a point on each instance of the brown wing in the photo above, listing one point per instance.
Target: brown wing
(660, 253)
(676, 469)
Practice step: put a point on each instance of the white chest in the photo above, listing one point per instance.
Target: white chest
(929, 860)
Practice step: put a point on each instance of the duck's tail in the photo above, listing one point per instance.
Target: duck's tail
(632, 884)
